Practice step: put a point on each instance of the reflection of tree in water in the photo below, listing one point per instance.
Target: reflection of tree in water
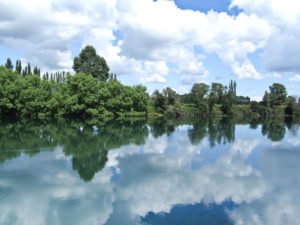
(26, 137)
(274, 130)
(217, 132)
(87, 144)
(254, 124)
(221, 132)
(294, 129)
(198, 132)
(88, 165)
(162, 126)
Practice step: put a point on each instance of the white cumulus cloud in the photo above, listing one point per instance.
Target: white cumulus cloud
(154, 39)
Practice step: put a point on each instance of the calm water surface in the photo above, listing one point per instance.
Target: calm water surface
(155, 173)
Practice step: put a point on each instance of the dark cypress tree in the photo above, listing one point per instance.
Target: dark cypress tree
(35, 71)
(25, 71)
(19, 66)
(29, 69)
(111, 76)
(9, 64)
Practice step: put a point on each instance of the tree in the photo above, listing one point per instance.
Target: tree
(215, 95)
(159, 100)
(229, 98)
(277, 95)
(81, 94)
(36, 71)
(9, 64)
(29, 69)
(90, 63)
(242, 100)
(9, 91)
(266, 99)
(171, 96)
(19, 66)
(232, 91)
(25, 71)
(199, 92)
(216, 92)
(291, 105)
(120, 98)
(140, 98)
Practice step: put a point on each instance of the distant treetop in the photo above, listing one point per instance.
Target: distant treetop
(90, 63)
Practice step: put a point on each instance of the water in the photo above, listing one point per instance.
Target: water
(156, 173)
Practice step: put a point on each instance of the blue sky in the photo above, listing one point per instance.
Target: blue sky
(204, 5)
(162, 43)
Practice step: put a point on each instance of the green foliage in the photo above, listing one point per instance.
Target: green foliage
(243, 111)
(140, 98)
(10, 89)
(171, 96)
(80, 95)
(215, 96)
(216, 93)
(242, 100)
(121, 100)
(228, 98)
(167, 102)
(160, 101)
(291, 106)
(199, 93)
(277, 94)
(89, 62)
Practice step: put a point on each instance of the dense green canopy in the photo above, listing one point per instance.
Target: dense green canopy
(90, 63)
(80, 95)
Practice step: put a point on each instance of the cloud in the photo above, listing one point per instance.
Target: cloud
(142, 175)
(46, 176)
(282, 49)
(150, 33)
(295, 78)
(280, 204)
(173, 34)
(154, 71)
(45, 31)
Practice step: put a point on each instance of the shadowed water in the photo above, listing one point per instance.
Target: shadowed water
(153, 172)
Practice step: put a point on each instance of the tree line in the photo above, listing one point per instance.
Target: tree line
(219, 99)
(95, 92)
(91, 92)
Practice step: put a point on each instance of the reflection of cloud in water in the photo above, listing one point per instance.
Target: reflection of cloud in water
(153, 177)
(43, 191)
(156, 183)
(294, 140)
(281, 203)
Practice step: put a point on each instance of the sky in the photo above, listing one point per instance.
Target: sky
(162, 43)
